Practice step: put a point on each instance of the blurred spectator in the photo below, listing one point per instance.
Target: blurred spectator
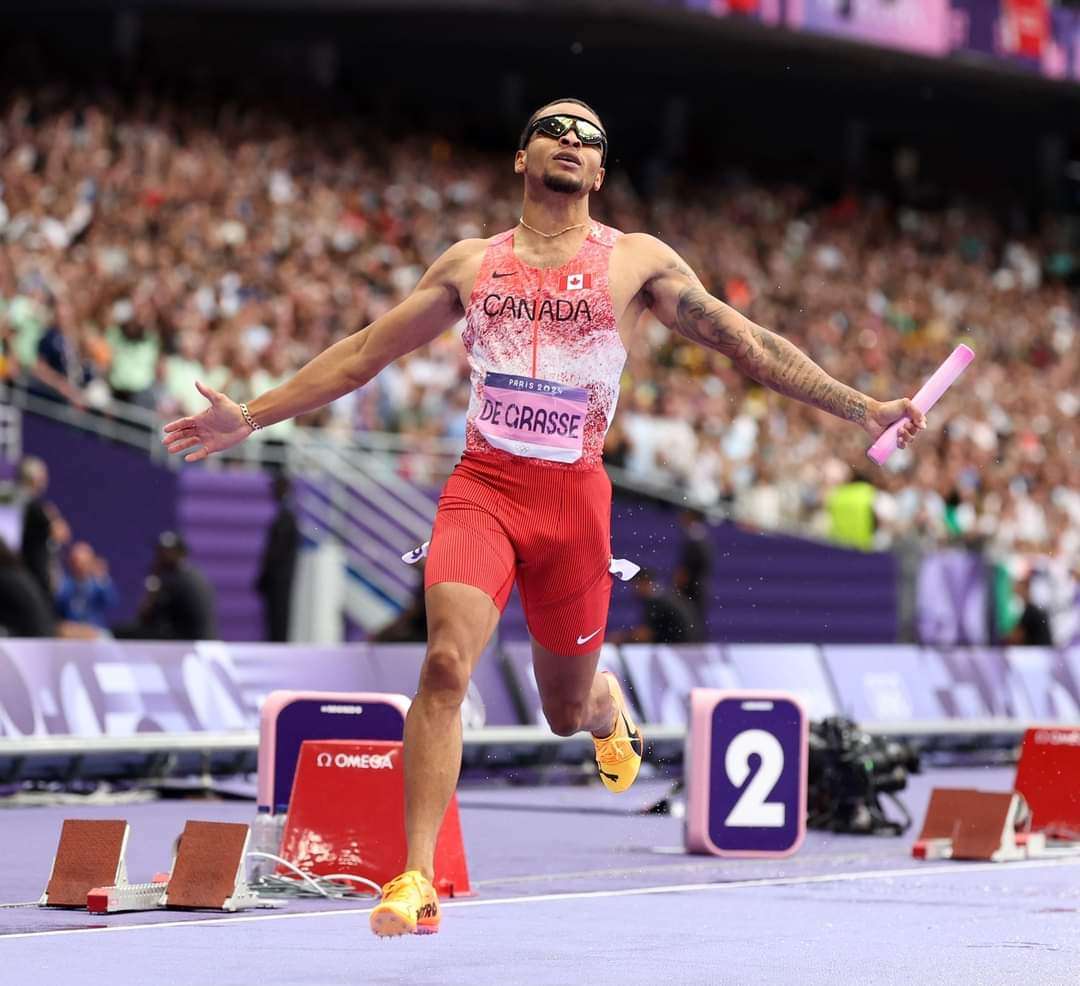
(1033, 627)
(44, 530)
(86, 591)
(277, 567)
(851, 513)
(179, 373)
(24, 609)
(694, 567)
(133, 347)
(59, 372)
(666, 618)
(179, 602)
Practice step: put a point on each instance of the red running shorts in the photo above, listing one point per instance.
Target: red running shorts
(505, 519)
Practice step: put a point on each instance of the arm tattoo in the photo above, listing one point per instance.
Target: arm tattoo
(680, 268)
(763, 355)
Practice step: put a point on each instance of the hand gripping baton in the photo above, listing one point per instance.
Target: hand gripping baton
(943, 378)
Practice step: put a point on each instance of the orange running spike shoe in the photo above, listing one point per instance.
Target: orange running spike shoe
(618, 756)
(409, 906)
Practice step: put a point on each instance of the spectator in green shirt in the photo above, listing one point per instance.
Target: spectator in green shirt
(851, 513)
(181, 370)
(135, 349)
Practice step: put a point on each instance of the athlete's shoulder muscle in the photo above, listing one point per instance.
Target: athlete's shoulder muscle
(655, 258)
(645, 263)
(456, 268)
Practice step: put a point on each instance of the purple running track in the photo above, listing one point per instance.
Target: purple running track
(572, 889)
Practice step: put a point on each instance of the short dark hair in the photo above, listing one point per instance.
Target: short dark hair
(539, 112)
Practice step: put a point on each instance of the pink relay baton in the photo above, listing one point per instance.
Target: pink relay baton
(930, 393)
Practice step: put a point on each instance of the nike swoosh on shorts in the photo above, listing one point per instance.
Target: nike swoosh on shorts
(585, 640)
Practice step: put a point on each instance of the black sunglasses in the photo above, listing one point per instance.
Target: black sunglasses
(555, 126)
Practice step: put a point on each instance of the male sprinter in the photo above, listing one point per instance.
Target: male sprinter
(548, 308)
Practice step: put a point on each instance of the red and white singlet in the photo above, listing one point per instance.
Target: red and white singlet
(545, 353)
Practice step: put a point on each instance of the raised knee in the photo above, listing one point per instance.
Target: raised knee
(565, 719)
(445, 675)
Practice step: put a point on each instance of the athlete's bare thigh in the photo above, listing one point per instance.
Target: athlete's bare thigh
(460, 620)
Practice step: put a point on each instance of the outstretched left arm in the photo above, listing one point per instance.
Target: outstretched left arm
(675, 295)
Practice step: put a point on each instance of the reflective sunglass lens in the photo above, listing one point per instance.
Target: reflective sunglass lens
(585, 130)
(554, 126)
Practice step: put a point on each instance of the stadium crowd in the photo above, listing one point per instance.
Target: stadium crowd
(144, 245)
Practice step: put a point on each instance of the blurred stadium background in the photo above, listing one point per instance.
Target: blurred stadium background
(219, 190)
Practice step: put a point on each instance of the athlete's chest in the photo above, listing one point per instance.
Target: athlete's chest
(572, 303)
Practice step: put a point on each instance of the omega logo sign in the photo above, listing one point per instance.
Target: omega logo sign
(1055, 738)
(357, 761)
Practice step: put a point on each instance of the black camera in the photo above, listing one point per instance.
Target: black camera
(850, 770)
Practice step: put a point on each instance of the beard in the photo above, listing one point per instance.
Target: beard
(566, 184)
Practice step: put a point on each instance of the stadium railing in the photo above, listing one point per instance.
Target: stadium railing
(163, 755)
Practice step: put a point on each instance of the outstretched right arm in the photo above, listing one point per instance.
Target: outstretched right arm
(433, 306)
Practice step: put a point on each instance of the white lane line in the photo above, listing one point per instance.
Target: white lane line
(950, 869)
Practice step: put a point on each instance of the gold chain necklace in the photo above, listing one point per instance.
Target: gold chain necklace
(550, 236)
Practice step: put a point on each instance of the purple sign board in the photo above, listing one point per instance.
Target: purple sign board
(122, 688)
(748, 773)
(899, 684)
(661, 677)
(114, 688)
(1046, 683)
(953, 605)
(793, 668)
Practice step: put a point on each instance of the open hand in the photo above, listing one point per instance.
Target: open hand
(884, 413)
(219, 427)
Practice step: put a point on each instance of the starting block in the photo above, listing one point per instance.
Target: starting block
(208, 873)
(746, 769)
(962, 823)
(89, 870)
(347, 815)
(969, 824)
(90, 854)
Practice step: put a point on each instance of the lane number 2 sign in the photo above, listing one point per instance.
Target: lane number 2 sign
(746, 766)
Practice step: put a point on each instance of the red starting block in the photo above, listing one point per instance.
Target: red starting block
(347, 815)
